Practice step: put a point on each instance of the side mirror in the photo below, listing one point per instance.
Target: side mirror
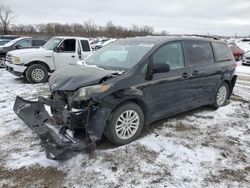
(18, 46)
(161, 67)
(56, 49)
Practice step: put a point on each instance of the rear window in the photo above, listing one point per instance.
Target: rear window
(198, 52)
(221, 52)
(85, 46)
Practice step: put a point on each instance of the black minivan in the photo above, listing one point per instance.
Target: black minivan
(127, 85)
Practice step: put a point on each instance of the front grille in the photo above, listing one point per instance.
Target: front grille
(8, 58)
(248, 58)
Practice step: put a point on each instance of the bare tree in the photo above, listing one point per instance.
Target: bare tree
(87, 29)
(90, 28)
(6, 17)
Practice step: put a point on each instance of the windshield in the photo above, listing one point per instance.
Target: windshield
(52, 43)
(2, 42)
(10, 43)
(119, 55)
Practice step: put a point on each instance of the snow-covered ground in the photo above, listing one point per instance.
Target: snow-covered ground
(200, 148)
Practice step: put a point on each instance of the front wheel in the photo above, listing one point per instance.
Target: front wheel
(221, 95)
(125, 124)
(36, 73)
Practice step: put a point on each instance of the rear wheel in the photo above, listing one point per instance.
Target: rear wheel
(36, 73)
(125, 124)
(221, 95)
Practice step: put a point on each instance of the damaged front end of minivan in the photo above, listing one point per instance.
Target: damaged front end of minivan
(59, 133)
(68, 121)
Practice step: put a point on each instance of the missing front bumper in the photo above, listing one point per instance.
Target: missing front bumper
(59, 146)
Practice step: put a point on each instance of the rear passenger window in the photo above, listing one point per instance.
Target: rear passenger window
(198, 52)
(221, 52)
(38, 42)
(170, 54)
(85, 46)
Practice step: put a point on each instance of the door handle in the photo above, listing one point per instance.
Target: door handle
(185, 75)
(73, 56)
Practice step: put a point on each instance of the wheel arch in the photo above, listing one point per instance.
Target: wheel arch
(140, 103)
(230, 84)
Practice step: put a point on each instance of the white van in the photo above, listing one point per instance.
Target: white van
(36, 64)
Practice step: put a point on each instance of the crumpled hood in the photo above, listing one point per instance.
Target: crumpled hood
(73, 77)
(33, 51)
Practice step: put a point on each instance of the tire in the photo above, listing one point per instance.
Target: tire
(123, 133)
(221, 96)
(36, 73)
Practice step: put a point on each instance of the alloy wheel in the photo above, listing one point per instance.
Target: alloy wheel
(221, 95)
(127, 124)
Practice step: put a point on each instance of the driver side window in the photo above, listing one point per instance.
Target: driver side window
(171, 54)
(68, 45)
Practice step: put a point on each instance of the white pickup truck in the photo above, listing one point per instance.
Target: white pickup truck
(36, 64)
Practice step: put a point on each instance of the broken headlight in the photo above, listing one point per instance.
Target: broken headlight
(87, 92)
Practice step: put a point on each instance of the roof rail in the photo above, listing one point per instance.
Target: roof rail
(203, 36)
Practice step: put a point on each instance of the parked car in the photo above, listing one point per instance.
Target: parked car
(9, 37)
(246, 59)
(4, 41)
(103, 43)
(98, 42)
(243, 44)
(237, 51)
(36, 64)
(19, 43)
(126, 85)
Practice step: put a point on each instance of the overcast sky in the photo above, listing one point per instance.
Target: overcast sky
(175, 16)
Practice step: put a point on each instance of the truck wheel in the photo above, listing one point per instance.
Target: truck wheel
(36, 73)
(221, 95)
(125, 124)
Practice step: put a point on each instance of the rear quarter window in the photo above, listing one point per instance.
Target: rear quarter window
(221, 52)
(198, 52)
(85, 46)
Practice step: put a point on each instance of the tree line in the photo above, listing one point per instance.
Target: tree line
(88, 28)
